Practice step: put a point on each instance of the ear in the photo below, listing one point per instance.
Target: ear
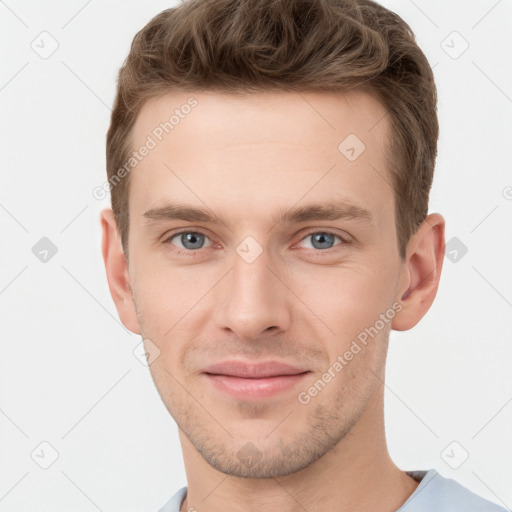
(421, 272)
(116, 266)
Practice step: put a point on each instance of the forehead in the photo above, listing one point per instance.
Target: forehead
(277, 116)
(254, 151)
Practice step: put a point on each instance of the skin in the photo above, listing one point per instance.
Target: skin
(245, 159)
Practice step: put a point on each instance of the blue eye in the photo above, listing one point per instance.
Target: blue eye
(192, 241)
(189, 240)
(323, 240)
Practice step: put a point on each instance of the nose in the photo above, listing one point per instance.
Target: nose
(253, 300)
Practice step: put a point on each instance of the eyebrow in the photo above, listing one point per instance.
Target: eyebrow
(294, 215)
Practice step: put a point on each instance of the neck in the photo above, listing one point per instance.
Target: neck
(357, 474)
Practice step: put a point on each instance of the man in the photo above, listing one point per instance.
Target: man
(270, 164)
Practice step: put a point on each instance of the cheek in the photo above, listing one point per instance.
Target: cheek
(346, 298)
(339, 301)
(162, 272)
(167, 297)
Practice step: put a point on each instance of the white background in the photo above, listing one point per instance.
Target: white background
(68, 373)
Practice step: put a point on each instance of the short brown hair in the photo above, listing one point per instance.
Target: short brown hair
(287, 45)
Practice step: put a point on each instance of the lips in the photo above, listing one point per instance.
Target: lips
(253, 371)
(247, 381)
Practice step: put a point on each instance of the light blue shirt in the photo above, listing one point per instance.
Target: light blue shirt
(434, 494)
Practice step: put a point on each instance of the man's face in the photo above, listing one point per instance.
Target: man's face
(256, 286)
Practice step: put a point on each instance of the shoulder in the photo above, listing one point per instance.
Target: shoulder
(174, 504)
(435, 492)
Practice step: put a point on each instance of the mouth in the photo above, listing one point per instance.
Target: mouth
(254, 381)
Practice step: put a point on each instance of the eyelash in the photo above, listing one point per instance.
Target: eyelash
(193, 253)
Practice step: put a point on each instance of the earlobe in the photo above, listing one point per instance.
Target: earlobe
(424, 262)
(117, 271)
